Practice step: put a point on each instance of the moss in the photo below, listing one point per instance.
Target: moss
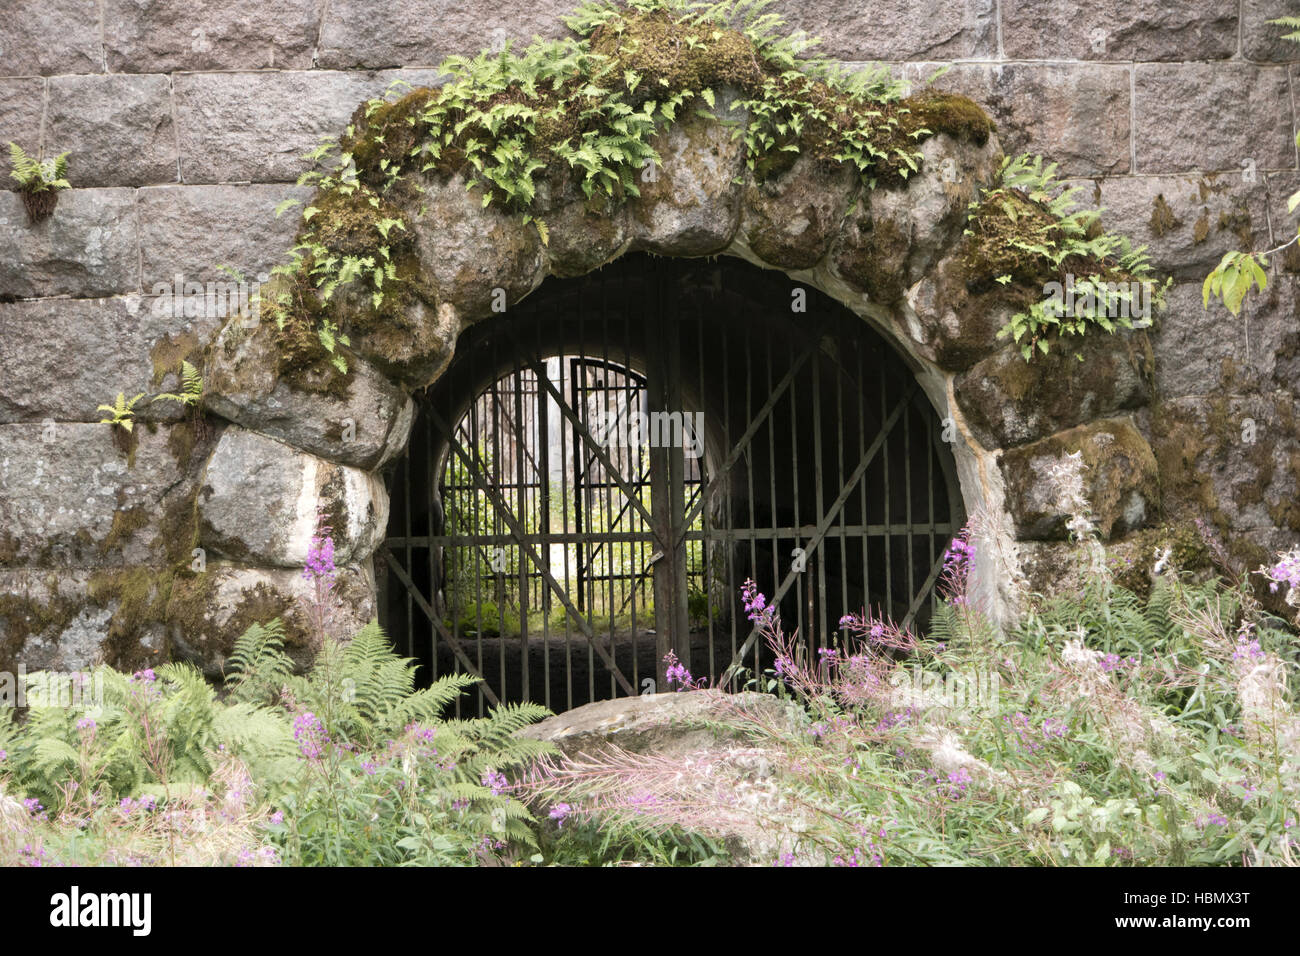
(188, 603)
(169, 352)
(126, 522)
(139, 596)
(302, 360)
(193, 597)
(181, 439)
(263, 602)
(1201, 229)
(23, 616)
(1291, 258)
(875, 262)
(9, 546)
(957, 116)
(1132, 560)
(1285, 513)
(178, 530)
(1238, 222)
(1163, 219)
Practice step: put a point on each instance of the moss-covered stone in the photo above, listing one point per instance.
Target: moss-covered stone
(1007, 400)
(1120, 480)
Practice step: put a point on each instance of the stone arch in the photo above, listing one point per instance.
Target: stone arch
(301, 442)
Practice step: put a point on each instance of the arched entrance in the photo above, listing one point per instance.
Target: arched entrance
(603, 464)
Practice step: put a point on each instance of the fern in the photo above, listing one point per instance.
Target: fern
(36, 176)
(191, 388)
(121, 412)
(1028, 232)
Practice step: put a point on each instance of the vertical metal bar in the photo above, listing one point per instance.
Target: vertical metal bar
(793, 392)
(840, 345)
(819, 497)
(862, 486)
(749, 473)
(907, 484)
(521, 439)
(772, 499)
(887, 601)
(541, 399)
(929, 503)
(566, 504)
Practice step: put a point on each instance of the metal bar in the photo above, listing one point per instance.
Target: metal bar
(405, 578)
(926, 589)
(827, 519)
(819, 497)
(755, 423)
(505, 515)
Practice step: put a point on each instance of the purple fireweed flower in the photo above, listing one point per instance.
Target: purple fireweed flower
(1247, 649)
(320, 558)
(676, 672)
(311, 736)
(494, 781)
(276, 818)
(560, 812)
(146, 676)
(86, 725)
(756, 607)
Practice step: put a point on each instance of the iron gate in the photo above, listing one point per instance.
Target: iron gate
(603, 465)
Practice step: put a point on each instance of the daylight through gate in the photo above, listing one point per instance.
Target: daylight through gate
(605, 463)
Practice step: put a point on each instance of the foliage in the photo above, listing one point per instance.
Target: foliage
(36, 176)
(1105, 729)
(121, 412)
(1026, 234)
(347, 763)
(579, 116)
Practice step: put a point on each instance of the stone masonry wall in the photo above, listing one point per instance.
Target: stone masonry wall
(186, 123)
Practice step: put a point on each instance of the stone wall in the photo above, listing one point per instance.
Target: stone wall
(186, 123)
